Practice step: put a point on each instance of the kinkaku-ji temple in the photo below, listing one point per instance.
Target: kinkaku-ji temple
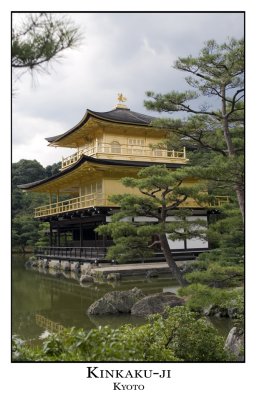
(107, 146)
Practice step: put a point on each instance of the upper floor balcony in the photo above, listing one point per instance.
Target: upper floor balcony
(95, 200)
(130, 151)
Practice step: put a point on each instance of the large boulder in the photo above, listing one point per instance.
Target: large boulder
(116, 302)
(235, 343)
(155, 303)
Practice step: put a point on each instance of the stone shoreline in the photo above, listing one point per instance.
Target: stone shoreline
(152, 269)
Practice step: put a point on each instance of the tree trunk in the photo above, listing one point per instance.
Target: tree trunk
(171, 262)
(241, 200)
(231, 151)
(227, 136)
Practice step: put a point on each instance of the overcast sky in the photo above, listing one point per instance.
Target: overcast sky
(129, 53)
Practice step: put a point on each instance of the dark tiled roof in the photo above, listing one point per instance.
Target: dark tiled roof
(84, 158)
(119, 115)
(124, 115)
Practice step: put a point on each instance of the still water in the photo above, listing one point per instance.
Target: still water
(43, 300)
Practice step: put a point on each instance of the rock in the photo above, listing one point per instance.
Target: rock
(102, 306)
(85, 268)
(86, 278)
(45, 263)
(31, 263)
(155, 303)
(39, 263)
(114, 276)
(116, 302)
(55, 264)
(74, 275)
(65, 266)
(235, 343)
(54, 272)
(75, 267)
(217, 311)
(232, 312)
(152, 274)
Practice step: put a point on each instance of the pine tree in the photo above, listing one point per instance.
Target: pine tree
(161, 193)
(217, 75)
(40, 38)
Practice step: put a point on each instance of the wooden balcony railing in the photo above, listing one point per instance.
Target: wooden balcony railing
(72, 253)
(98, 200)
(77, 203)
(108, 150)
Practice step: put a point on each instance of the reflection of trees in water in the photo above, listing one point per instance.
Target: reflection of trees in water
(58, 297)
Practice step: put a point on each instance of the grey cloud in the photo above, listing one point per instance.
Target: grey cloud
(129, 52)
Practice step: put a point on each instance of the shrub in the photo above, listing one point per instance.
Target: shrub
(179, 336)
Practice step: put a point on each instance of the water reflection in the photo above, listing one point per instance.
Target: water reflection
(47, 299)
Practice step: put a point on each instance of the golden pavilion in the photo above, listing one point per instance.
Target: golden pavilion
(107, 146)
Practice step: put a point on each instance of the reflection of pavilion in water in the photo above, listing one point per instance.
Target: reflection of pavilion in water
(49, 325)
(69, 301)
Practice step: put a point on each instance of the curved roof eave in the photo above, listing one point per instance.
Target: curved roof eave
(58, 137)
(126, 117)
(126, 163)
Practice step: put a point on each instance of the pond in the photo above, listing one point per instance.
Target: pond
(47, 301)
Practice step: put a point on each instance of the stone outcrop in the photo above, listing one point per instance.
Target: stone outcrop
(31, 262)
(45, 263)
(65, 266)
(74, 266)
(85, 268)
(155, 303)
(86, 278)
(217, 311)
(235, 343)
(55, 264)
(116, 302)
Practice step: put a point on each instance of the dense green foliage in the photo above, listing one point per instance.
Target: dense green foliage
(180, 336)
(26, 231)
(214, 128)
(214, 135)
(163, 191)
(200, 296)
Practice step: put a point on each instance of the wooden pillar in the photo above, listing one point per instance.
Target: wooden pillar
(50, 202)
(51, 236)
(104, 240)
(58, 237)
(80, 235)
(96, 235)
